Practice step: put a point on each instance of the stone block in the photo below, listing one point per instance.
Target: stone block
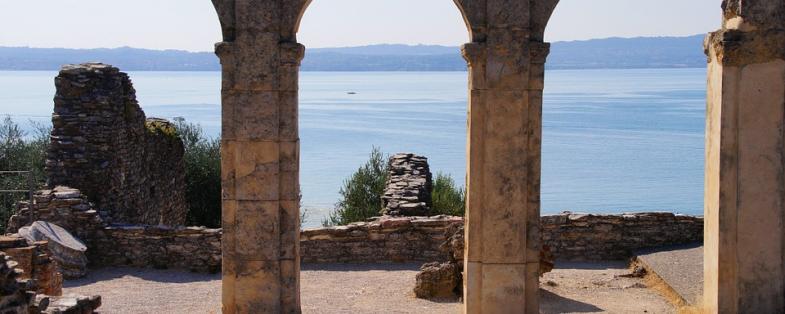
(258, 287)
(290, 285)
(513, 14)
(472, 287)
(289, 186)
(256, 67)
(504, 288)
(255, 17)
(258, 230)
(250, 115)
(290, 156)
(250, 170)
(289, 116)
(290, 229)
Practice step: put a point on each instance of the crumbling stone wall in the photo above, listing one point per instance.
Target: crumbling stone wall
(409, 186)
(569, 237)
(62, 206)
(166, 170)
(388, 239)
(101, 145)
(193, 248)
(610, 237)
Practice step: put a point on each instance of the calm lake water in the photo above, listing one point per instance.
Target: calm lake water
(613, 140)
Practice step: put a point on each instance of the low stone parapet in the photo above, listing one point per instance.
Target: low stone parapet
(393, 239)
(403, 239)
(193, 248)
(610, 237)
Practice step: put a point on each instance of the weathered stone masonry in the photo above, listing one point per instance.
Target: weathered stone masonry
(408, 188)
(744, 197)
(577, 237)
(102, 145)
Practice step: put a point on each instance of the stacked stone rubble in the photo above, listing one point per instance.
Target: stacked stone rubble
(76, 304)
(101, 145)
(66, 250)
(408, 188)
(63, 206)
(36, 263)
(14, 297)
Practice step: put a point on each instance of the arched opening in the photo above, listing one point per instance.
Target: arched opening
(624, 126)
(170, 61)
(400, 91)
(397, 83)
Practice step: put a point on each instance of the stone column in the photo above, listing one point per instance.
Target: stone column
(745, 161)
(506, 68)
(259, 159)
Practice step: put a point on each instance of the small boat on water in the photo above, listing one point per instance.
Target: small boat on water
(351, 93)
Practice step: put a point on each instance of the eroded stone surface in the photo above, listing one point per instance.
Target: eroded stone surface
(68, 251)
(102, 144)
(408, 188)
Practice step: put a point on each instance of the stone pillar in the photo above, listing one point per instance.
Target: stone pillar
(260, 59)
(259, 158)
(506, 68)
(745, 161)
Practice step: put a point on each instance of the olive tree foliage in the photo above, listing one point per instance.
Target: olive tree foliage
(202, 174)
(448, 198)
(20, 151)
(361, 193)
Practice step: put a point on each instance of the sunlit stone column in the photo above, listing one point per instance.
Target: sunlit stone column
(259, 159)
(506, 71)
(745, 161)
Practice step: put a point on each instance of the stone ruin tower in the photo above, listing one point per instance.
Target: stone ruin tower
(101, 143)
(409, 186)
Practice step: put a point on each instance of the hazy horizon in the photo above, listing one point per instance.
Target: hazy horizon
(338, 47)
(150, 24)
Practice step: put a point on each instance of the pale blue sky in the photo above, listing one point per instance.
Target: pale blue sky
(192, 24)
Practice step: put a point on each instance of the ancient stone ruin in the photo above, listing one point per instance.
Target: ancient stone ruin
(67, 251)
(102, 144)
(31, 284)
(409, 186)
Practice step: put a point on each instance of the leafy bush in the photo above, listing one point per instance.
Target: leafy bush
(20, 152)
(202, 174)
(361, 194)
(448, 198)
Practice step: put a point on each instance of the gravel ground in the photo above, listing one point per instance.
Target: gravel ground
(339, 288)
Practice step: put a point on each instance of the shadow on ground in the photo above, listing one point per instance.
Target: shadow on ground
(554, 303)
(362, 267)
(154, 275)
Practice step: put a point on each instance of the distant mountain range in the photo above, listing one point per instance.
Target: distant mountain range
(641, 52)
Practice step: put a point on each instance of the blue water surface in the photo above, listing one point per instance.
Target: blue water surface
(613, 140)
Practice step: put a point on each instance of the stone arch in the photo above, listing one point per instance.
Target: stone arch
(744, 246)
(260, 155)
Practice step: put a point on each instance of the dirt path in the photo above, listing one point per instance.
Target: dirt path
(581, 288)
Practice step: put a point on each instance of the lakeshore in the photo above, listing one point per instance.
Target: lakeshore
(613, 140)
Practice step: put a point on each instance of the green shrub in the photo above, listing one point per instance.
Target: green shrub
(361, 194)
(202, 174)
(20, 152)
(448, 197)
